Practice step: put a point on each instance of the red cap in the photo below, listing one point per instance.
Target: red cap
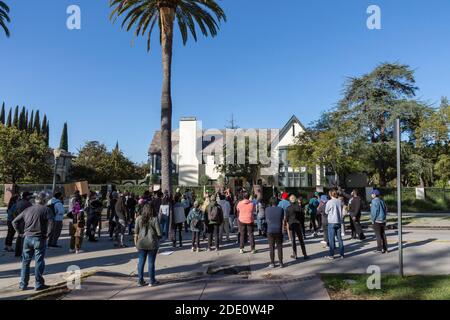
(284, 196)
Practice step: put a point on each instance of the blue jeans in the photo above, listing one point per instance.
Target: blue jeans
(334, 231)
(33, 246)
(143, 254)
(164, 221)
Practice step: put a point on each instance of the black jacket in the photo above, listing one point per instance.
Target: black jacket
(294, 214)
(355, 207)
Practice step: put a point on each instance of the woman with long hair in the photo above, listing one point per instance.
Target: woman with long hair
(147, 236)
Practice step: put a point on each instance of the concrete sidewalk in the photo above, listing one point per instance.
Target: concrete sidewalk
(106, 286)
(197, 275)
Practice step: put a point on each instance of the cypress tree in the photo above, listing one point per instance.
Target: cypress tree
(26, 122)
(31, 122)
(16, 117)
(64, 143)
(44, 127)
(2, 114)
(47, 134)
(37, 123)
(9, 122)
(22, 119)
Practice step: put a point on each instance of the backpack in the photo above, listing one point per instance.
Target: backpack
(52, 209)
(308, 210)
(195, 223)
(215, 213)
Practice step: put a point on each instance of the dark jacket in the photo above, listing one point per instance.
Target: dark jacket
(294, 214)
(22, 204)
(35, 221)
(274, 218)
(355, 207)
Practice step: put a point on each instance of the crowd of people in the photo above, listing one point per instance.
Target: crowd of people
(154, 218)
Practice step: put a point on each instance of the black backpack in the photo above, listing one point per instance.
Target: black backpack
(215, 213)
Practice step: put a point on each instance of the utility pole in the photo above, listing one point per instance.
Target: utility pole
(399, 197)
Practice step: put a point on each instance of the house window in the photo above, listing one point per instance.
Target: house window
(293, 131)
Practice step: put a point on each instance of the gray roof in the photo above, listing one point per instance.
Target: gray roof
(208, 145)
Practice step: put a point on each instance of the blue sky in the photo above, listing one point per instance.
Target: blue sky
(271, 59)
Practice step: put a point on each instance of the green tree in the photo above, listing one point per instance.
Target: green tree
(9, 120)
(4, 17)
(47, 133)
(64, 142)
(442, 168)
(120, 167)
(368, 110)
(22, 119)
(37, 123)
(16, 117)
(96, 165)
(204, 180)
(91, 163)
(23, 157)
(323, 147)
(45, 130)
(31, 123)
(2, 114)
(26, 121)
(144, 15)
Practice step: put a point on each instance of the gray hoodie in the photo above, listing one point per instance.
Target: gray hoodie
(333, 209)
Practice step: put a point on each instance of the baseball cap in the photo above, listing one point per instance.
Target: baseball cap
(376, 192)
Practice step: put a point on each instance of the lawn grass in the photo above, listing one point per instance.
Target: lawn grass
(418, 287)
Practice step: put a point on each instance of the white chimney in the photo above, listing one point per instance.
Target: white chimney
(188, 162)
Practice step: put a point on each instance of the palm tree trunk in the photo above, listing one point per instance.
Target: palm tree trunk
(167, 16)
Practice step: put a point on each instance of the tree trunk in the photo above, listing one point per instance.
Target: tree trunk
(167, 17)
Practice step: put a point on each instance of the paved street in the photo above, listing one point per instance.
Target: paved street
(226, 274)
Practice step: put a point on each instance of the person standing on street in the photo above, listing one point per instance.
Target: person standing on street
(215, 220)
(147, 237)
(76, 226)
(121, 222)
(179, 219)
(293, 219)
(35, 223)
(113, 216)
(57, 204)
(195, 221)
(284, 204)
(274, 219)
(312, 210)
(22, 204)
(321, 211)
(333, 210)
(354, 209)
(378, 213)
(245, 209)
(11, 212)
(93, 209)
(165, 211)
(226, 209)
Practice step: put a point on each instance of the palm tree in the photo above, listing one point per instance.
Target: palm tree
(190, 14)
(4, 10)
